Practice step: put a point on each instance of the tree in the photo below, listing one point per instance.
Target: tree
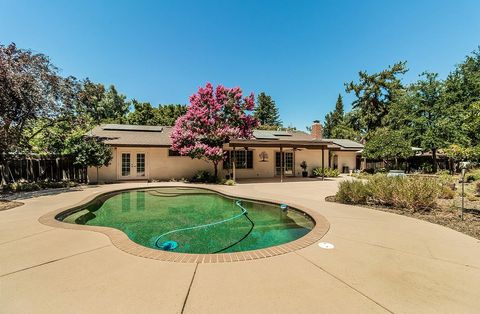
(89, 97)
(434, 124)
(462, 92)
(457, 153)
(143, 114)
(113, 107)
(102, 105)
(89, 151)
(345, 131)
(375, 93)
(334, 119)
(267, 112)
(387, 144)
(168, 114)
(30, 89)
(211, 120)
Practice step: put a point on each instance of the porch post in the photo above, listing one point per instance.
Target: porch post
(232, 160)
(281, 164)
(323, 163)
(294, 150)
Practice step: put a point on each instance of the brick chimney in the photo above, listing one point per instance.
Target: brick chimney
(317, 133)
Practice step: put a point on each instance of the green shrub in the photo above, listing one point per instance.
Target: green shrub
(368, 171)
(229, 182)
(24, 186)
(473, 175)
(362, 175)
(352, 192)
(415, 193)
(329, 172)
(445, 177)
(382, 189)
(203, 176)
(447, 193)
(470, 178)
(426, 167)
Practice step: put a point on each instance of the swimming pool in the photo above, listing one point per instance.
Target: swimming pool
(193, 220)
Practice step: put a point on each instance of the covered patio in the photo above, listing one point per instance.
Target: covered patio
(282, 146)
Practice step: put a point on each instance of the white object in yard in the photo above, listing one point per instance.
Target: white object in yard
(326, 245)
(396, 173)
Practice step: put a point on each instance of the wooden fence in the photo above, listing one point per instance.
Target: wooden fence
(34, 169)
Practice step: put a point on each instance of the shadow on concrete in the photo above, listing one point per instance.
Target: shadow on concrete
(285, 180)
(12, 196)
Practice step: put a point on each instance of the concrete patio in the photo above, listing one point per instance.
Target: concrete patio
(381, 263)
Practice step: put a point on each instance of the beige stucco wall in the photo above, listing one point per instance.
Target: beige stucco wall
(261, 169)
(105, 174)
(313, 159)
(345, 158)
(160, 166)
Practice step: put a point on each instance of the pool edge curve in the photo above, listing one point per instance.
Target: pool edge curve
(121, 241)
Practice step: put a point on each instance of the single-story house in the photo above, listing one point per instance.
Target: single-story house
(144, 153)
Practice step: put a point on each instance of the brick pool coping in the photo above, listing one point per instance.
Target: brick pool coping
(120, 240)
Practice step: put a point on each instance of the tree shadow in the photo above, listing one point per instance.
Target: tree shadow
(13, 196)
(472, 211)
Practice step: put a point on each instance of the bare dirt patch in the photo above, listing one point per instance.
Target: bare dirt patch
(5, 204)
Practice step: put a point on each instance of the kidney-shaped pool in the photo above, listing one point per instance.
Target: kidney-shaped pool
(192, 220)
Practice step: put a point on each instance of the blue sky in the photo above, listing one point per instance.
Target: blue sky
(299, 52)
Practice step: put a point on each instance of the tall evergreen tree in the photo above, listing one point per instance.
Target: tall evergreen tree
(266, 111)
(339, 111)
(375, 94)
(334, 119)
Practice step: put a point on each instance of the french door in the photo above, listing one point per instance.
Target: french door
(287, 163)
(133, 165)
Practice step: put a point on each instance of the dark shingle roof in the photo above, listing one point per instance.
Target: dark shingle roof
(133, 135)
(347, 144)
(142, 135)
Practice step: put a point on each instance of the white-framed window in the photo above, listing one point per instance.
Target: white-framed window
(243, 159)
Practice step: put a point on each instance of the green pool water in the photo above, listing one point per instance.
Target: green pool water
(153, 217)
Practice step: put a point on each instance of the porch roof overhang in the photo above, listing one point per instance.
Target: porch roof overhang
(280, 143)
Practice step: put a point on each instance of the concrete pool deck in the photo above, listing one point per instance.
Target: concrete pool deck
(381, 262)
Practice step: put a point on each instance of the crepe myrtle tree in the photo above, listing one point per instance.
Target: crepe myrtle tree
(213, 117)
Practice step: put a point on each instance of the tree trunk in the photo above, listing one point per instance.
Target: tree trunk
(434, 160)
(215, 170)
(3, 170)
(97, 176)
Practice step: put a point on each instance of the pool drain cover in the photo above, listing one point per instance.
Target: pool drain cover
(326, 245)
(169, 245)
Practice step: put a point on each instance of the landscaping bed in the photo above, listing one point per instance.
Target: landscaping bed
(6, 204)
(417, 197)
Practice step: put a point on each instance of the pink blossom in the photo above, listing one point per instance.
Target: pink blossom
(212, 119)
